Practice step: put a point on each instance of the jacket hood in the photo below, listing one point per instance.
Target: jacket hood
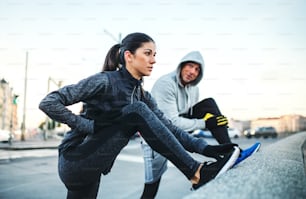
(193, 56)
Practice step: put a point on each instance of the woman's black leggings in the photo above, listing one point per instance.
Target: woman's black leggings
(210, 106)
(80, 167)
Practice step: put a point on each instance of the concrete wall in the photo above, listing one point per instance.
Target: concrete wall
(277, 171)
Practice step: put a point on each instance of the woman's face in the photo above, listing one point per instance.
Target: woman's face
(141, 62)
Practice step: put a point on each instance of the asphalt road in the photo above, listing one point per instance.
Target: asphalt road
(32, 174)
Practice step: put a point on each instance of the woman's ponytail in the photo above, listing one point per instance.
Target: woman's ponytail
(111, 62)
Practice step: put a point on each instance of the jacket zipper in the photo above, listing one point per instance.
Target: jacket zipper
(134, 89)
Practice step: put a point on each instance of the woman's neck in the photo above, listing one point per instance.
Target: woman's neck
(133, 72)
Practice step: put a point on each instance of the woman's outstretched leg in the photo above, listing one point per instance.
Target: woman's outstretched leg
(140, 118)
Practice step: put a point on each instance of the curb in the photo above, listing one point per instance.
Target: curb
(28, 148)
(31, 145)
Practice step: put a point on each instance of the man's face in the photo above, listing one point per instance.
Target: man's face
(189, 72)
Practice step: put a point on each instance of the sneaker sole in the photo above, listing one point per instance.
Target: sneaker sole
(256, 149)
(230, 162)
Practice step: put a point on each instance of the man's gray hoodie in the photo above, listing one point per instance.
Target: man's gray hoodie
(175, 99)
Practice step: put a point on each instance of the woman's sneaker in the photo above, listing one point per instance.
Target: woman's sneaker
(211, 170)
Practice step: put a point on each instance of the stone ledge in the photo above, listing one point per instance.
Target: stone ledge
(277, 171)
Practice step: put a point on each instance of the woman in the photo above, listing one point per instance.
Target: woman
(116, 108)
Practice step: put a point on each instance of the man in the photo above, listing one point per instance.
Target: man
(177, 95)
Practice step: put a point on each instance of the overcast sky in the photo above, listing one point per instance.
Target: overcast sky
(254, 51)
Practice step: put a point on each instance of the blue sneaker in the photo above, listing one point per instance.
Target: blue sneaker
(247, 152)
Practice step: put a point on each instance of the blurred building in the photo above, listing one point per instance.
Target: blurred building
(284, 124)
(8, 107)
(292, 123)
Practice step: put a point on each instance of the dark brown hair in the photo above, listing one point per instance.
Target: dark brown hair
(115, 55)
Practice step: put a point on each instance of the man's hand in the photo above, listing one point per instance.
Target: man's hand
(215, 121)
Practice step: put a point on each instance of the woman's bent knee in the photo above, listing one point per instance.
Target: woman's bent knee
(138, 107)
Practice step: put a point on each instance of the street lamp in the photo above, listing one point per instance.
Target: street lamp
(23, 125)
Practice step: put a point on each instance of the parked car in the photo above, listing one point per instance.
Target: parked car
(265, 132)
(5, 136)
(202, 134)
(232, 132)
